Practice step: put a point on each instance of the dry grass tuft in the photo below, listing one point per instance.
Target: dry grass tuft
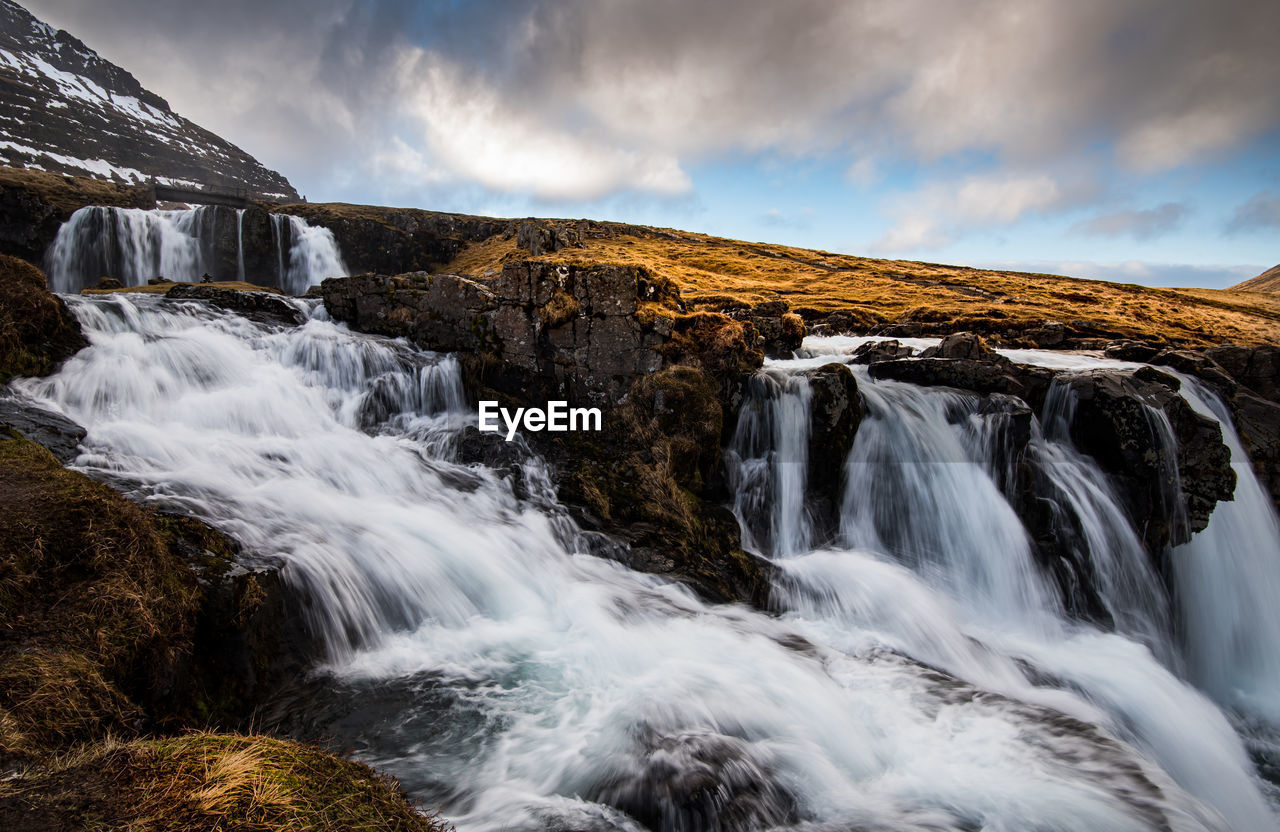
(205, 781)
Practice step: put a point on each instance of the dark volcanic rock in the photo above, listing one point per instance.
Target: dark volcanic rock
(1130, 350)
(963, 345)
(574, 332)
(259, 306)
(836, 412)
(44, 427)
(1125, 420)
(397, 240)
(980, 376)
(873, 352)
(1248, 389)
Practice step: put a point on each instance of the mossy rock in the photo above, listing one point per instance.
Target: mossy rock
(37, 331)
(206, 781)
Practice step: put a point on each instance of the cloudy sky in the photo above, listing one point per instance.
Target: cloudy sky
(1134, 140)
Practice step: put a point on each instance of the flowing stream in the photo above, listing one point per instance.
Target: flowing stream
(134, 246)
(921, 673)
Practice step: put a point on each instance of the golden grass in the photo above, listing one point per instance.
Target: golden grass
(209, 781)
(70, 193)
(161, 288)
(879, 292)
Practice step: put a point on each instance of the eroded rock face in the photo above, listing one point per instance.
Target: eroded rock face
(1246, 380)
(575, 331)
(1125, 420)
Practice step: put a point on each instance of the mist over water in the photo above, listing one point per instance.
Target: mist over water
(920, 672)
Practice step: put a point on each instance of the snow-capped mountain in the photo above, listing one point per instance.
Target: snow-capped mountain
(66, 109)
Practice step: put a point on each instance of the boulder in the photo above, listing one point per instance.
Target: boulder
(874, 352)
(1127, 350)
(963, 345)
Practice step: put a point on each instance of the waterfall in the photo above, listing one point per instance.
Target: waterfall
(914, 678)
(313, 256)
(1228, 583)
(240, 244)
(134, 246)
(768, 465)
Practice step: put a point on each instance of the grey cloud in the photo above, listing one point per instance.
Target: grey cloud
(640, 89)
(1140, 225)
(1261, 213)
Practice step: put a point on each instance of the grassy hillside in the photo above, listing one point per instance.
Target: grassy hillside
(1268, 281)
(877, 293)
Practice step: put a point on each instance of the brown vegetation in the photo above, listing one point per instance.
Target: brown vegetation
(206, 781)
(36, 329)
(1268, 281)
(876, 293)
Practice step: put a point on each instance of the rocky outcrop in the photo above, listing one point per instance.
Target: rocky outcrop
(835, 411)
(581, 334)
(669, 381)
(1246, 381)
(397, 240)
(781, 331)
(34, 204)
(37, 331)
(264, 307)
(1127, 421)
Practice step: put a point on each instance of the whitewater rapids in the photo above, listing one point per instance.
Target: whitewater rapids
(920, 675)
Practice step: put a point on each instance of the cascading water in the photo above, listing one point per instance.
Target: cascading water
(482, 657)
(134, 246)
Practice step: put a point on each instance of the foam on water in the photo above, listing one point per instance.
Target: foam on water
(916, 677)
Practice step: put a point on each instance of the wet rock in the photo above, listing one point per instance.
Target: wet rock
(1257, 368)
(874, 352)
(1119, 419)
(986, 376)
(697, 780)
(44, 427)
(1050, 335)
(1130, 351)
(108, 283)
(836, 412)
(265, 307)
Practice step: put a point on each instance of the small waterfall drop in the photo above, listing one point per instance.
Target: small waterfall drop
(134, 246)
(501, 673)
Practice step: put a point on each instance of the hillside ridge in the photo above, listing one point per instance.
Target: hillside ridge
(66, 109)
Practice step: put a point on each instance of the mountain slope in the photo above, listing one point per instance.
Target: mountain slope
(65, 109)
(1268, 281)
